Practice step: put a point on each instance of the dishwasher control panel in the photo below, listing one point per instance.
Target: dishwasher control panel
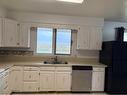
(82, 68)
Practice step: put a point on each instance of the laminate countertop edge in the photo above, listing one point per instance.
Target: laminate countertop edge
(6, 65)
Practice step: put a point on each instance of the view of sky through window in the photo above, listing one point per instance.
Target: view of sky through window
(125, 36)
(44, 40)
(63, 41)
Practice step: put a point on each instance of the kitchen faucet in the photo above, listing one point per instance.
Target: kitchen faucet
(55, 59)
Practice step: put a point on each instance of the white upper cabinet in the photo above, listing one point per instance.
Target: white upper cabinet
(89, 38)
(9, 33)
(0, 31)
(24, 35)
(13, 34)
(83, 38)
(95, 38)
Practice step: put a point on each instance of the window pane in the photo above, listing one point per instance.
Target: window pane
(125, 36)
(63, 41)
(44, 40)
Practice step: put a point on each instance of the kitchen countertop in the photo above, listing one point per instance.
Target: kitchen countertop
(6, 65)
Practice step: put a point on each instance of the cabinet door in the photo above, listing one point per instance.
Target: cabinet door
(10, 33)
(83, 38)
(16, 79)
(95, 38)
(98, 81)
(0, 32)
(31, 76)
(1, 85)
(63, 81)
(24, 35)
(30, 86)
(47, 81)
(4, 83)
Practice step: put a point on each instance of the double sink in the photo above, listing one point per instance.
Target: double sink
(55, 61)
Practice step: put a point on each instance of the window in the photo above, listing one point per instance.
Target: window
(54, 41)
(44, 40)
(125, 36)
(63, 41)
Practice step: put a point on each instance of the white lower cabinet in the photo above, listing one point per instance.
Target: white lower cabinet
(63, 81)
(47, 81)
(55, 79)
(30, 86)
(31, 79)
(31, 76)
(37, 79)
(16, 79)
(98, 79)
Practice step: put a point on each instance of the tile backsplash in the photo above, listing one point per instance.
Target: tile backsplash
(16, 52)
(33, 58)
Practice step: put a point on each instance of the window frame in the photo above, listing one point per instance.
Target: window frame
(54, 44)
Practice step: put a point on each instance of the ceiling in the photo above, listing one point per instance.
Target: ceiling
(109, 9)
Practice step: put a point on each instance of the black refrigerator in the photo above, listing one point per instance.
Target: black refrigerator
(114, 55)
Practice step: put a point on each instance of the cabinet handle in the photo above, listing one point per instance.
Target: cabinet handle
(30, 76)
(17, 43)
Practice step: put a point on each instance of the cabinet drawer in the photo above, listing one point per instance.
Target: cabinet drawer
(31, 68)
(31, 75)
(47, 68)
(99, 69)
(63, 68)
(30, 86)
(17, 68)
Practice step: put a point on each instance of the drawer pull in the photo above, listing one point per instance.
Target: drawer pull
(30, 76)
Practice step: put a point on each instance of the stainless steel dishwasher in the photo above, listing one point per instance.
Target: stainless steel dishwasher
(81, 78)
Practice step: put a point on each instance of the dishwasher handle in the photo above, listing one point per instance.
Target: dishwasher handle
(82, 68)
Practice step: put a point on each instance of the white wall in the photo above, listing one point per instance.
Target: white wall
(3, 12)
(59, 19)
(109, 31)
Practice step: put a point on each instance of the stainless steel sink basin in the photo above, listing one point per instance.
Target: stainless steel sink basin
(55, 61)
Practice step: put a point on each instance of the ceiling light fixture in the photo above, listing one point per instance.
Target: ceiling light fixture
(72, 1)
